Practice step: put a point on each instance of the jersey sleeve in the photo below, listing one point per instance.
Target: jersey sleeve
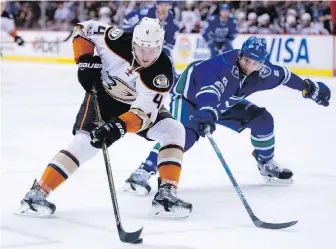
(153, 86)
(86, 35)
(288, 78)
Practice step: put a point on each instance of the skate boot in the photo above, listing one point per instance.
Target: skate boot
(138, 182)
(35, 204)
(166, 204)
(272, 172)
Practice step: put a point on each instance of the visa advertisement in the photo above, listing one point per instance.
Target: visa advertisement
(306, 55)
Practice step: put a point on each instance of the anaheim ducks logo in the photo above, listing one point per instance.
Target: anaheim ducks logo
(118, 89)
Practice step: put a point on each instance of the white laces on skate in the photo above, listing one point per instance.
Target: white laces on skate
(141, 175)
(272, 165)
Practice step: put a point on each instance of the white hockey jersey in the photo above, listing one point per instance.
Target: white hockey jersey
(144, 89)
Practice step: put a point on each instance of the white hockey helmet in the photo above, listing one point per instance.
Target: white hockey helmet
(148, 38)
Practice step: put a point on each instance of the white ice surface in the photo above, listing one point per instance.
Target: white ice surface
(39, 105)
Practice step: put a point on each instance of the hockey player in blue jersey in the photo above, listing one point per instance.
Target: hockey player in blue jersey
(161, 11)
(221, 31)
(213, 92)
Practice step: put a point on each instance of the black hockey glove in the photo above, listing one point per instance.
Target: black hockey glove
(19, 40)
(110, 132)
(89, 71)
(317, 91)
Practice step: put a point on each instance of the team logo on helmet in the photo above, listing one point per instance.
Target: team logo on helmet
(161, 81)
(114, 33)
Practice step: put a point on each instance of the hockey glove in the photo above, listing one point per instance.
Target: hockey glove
(108, 132)
(89, 71)
(19, 40)
(204, 116)
(317, 91)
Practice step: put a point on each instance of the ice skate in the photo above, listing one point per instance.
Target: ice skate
(138, 182)
(35, 204)
(273, 173)
(166, 204)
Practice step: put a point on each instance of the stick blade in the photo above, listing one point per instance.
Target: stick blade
(129, 237)
(266, 225)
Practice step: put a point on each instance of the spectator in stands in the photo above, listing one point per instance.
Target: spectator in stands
(105, 15)
(252, 23)
(221, 31)
(290, 25)
(190, 19)
(242, 24)
(266, 27)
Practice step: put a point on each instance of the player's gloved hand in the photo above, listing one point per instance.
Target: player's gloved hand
(110, 132)
(89, 71)
(19, 40)
(317, 91)
(204, 116)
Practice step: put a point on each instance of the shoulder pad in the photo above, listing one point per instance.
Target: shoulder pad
(159, 77)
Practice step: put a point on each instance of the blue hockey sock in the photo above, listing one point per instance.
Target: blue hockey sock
(262, 136)
(150, 164)
(264, 146)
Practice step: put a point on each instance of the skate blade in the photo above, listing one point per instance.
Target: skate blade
(276, 181)
(135, 189)
(25, 210)
(158, 211)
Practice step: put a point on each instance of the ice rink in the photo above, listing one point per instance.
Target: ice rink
(39, 105)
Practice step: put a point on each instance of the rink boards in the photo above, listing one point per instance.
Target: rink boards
(305, 55)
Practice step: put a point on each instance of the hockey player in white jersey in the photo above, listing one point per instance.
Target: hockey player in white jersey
(133, 78)
(8, 25)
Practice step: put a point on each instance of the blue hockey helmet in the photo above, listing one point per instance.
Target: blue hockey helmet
(164, 1)
(254, 48)
(224, 6)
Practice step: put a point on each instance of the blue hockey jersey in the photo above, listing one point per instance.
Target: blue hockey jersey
(170, 26)
(220, 33)
(218, 83)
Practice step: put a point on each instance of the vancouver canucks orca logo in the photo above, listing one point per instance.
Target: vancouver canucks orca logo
(265, 71)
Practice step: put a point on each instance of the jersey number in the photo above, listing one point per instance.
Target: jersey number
(157, 100)
(100, 30)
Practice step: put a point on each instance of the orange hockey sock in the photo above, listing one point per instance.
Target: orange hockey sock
(63, 165)
(170, 173)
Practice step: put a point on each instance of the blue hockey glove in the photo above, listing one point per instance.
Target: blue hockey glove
(317, 91)
(204, 116)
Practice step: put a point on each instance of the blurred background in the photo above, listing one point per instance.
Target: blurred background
(264, 17)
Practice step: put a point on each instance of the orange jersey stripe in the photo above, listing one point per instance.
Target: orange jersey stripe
(81, 47)
(85, 113)
(132, 121)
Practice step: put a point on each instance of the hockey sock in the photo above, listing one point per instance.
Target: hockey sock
(150, 164)
(62, 166)
(169, 163)
(264, 146)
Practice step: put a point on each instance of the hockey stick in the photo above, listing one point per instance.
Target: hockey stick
(67, 38)
(254, 218)
(123, 235)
